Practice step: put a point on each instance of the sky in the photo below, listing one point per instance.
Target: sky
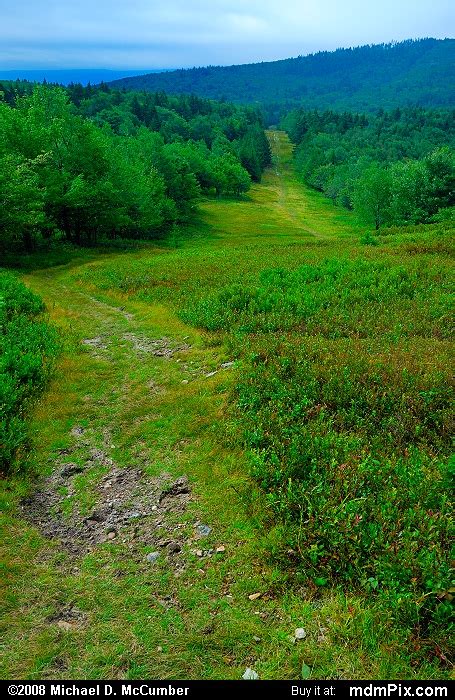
(144, 34)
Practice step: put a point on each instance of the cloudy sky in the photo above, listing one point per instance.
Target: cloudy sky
(174, 33)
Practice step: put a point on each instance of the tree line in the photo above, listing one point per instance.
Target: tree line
(392, 168)
(363, 78)
(84, 164)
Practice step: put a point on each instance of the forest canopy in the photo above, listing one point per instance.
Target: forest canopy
(363, 78)
(86, 164)
(393, 168)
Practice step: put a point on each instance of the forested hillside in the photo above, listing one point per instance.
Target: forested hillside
(395, 168)
(87, 164)
(363, 78)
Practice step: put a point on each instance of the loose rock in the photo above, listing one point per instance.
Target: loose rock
(173, 547)
(300, 633)
(70, 469)
(152, 557)
(77, 431)
(250, 675)
(203, 530)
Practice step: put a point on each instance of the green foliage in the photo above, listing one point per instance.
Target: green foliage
(366, 77)
(351, 452)
(335, 299)
(27, 347)
(368, 239)
(88, 164)
(396, 168)
(347, 427)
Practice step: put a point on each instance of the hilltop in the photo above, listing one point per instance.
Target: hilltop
(363, 78)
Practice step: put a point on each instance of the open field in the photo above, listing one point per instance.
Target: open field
(143, 410)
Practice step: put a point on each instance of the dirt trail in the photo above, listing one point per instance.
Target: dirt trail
(290, 202)
(149, 524)
(126, 503)
(109, 340)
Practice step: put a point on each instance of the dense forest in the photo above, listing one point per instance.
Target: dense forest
(395, 168)
(86, 164)
(364, 78)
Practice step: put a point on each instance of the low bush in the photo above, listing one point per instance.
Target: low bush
(353, 453)
(28, 345)
(345, 408)
(337, 298)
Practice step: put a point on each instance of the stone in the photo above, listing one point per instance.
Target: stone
(211, 374)
(203, 530)
(226, 365)
(70, 469)
(254, 596)
(65, 625)
(250, 675)
(220, 550)
(152, 557)
(300, 633)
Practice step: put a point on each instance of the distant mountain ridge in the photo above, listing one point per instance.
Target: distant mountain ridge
(65, 76)
(418, 72)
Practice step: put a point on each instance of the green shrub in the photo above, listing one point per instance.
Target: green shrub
(27, 347)
(351, 451)
(368, 239)
(337, 298)
(345, 406)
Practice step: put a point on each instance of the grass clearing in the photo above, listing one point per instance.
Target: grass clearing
(172, 415)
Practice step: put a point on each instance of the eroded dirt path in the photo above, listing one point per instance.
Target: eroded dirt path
(92, 494)
(139, 546)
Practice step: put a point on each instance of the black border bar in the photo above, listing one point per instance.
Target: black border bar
(234, 690)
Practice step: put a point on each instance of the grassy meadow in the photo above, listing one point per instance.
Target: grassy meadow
(319, 454)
